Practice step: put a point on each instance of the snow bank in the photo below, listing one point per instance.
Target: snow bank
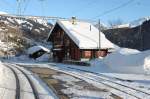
(127, 51)
(147, 64)
(128, 61)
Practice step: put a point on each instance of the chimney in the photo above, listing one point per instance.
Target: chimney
(74, 20)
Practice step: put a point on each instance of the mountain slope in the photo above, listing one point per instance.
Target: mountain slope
(18, 34)
(137, 37)
(138, 22)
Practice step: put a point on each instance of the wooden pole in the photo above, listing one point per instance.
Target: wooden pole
(142, 47)
(99, 28)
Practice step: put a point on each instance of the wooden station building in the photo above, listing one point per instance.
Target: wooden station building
(77, 40)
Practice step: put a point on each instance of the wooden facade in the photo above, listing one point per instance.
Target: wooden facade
(64, 47)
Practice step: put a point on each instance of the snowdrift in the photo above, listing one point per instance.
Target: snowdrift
(129, 61)
(147, 64)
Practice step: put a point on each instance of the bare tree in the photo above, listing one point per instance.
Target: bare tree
(115, 22)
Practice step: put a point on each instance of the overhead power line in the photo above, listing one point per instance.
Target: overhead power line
(41, 17)
(32, 16)
(26, 6)
(86, 6)
(114, 9)
(42, 6)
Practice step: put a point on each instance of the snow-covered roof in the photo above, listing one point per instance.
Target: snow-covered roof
(84, 34)
(34, 49)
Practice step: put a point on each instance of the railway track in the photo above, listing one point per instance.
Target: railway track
(17, 95)
(105, 80)
(18, 90)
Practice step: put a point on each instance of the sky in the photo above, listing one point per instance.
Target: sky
(82, 9)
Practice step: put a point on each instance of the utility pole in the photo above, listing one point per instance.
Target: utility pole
(42, 7)
(7, 43)
(141, 37)
(142, 46)
(19, 7)
(42, 10)
(99, 28)
(19, 12)
(6, 38)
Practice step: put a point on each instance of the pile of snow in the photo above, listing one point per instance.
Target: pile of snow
(34, 49)
(128, 61)
(147, 64)
(127, 51)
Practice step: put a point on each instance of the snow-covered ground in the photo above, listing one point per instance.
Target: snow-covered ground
(8, 84)
(137, 81)
(128, 61)
(125, 66)
(124, 60)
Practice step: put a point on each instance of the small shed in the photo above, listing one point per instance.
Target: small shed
(77, 40)
(37, 51)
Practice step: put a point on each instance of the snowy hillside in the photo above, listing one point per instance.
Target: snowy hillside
(138, 22)
(132, 24)
(17, 34)
(134, 38)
